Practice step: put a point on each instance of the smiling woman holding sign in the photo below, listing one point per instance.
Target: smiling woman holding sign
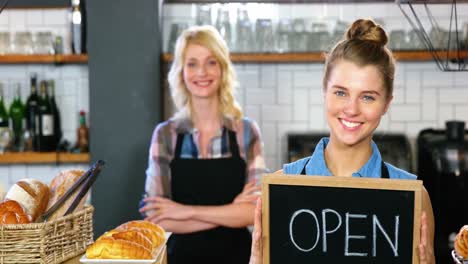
(358, 90)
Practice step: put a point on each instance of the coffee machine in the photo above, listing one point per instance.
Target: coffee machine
(443, 168)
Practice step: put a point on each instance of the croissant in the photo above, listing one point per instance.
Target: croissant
(111, 248)
(461, 242)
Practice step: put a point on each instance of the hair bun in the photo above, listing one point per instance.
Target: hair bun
(367, 30)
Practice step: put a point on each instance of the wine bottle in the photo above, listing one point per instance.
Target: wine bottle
(17, 119)
(82, 135)
(46, 121)
(32, 112)
(55, 114)
(3, 112)
(78, 26)
(5, 132)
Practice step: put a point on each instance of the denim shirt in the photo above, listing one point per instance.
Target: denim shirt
(318, 166)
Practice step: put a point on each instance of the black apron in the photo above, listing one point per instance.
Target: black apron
(383, 170)
(209, 182)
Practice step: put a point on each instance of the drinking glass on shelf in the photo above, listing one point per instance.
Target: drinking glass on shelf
(176, 30)
(397, 39)
(5, 43)
(300, 35)
(339, 31)
(319, 36)
(203, 15)
(6, 137)
(223, 25)
(284, 35)
(465, 36)
(244, 34)
(44, 43)
(22, 43)
(414, 42)
(439, 38)
(265, 36)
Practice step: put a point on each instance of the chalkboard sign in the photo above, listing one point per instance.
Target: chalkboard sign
(316, 219)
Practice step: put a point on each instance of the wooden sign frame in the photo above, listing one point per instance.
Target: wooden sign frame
(340, 182)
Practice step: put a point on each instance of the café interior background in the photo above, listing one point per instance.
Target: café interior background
(71, 82)
(283, 98)
(287, 98)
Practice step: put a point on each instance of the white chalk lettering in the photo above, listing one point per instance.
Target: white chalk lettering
(325, 231)
(291, 223)
(348, 236)
(394, 245)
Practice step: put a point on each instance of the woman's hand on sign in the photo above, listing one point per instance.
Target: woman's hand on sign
(249, 194)
(426, 254)
(165, 209)
(256, 255)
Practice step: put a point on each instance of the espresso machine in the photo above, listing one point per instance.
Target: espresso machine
(443, 168)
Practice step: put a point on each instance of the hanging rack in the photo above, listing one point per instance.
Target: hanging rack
(447, 58)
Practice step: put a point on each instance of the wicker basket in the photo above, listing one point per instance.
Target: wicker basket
(49, 242)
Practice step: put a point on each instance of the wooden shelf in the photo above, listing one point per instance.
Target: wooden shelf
(319, 57)
(43, 59)
(43, 157)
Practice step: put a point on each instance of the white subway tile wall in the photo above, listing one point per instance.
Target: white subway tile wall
(71, 85)
(410, 112)
(285, 98)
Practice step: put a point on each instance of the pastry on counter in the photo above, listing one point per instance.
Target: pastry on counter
(112, 248)
(461, 242)
(156, 233)
(132, 240)
(11, 212)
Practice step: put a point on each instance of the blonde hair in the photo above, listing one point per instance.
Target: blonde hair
(364, 44)
(208, 37)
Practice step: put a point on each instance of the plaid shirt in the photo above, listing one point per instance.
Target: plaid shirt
(163, 142)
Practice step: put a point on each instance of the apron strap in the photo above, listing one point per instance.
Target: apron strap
(383, 169)
(179, 141)
(233, 144)
(303, 172)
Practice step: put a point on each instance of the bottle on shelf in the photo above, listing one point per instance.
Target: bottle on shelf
(31, 114)
(55, 114)
(45, 121)
(82, 135)
(5, 133)
(3, 112)
(17, 118)
(78, 26)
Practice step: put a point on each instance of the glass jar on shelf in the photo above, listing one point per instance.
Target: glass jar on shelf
(44, 43)
(244, 33)
(223, 25)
